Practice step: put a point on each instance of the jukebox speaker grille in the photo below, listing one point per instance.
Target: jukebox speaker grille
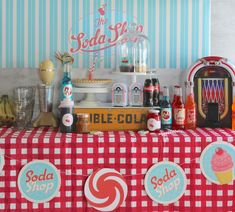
(213, 90)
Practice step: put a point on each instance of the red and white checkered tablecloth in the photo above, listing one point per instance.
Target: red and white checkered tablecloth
(77, 156)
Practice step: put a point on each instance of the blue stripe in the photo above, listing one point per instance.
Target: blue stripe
(140, 12)
(53, 28)
(173, 34)
(96, 16)
(9, 33)
(42, 30)
(1, 34)
(75, 24)
(20, 34)
(129, 11)
(86, 29)
(118, 19)
(31, 34)
(64, 26)
(195, 29)
(184, 35)
(206, 28)
(152, 31)
(162, 38)
(107, 52)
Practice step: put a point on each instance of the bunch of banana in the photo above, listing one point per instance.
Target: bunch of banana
(6, 110)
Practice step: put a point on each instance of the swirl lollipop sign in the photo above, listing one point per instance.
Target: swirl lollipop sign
(105, 189)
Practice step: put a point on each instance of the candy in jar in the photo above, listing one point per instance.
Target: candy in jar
(153, 121)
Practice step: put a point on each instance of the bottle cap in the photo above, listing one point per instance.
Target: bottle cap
(148, 82)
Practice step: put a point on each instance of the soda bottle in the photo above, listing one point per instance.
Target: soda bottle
(178, 110)
(156, 91)
(174, 98)
(233, 114)
(190, 107)
(66, 84)
(148, 93)
(166, 110)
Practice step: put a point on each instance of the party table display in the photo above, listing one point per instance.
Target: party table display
(89, 162)
(44, 169)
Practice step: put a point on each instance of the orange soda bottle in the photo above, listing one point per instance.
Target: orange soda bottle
(233, 114)
(190, 106)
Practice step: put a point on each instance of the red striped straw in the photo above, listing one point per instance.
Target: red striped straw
(92, 68)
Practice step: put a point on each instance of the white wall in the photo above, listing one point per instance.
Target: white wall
(223, 28)
(222, 44)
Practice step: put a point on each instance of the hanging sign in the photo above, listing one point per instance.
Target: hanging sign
(165, 182)
(105, 189)
(217, 162)
(105, 35)
(39, 181)
(2, 160)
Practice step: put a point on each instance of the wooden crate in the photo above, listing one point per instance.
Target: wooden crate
(115, 118)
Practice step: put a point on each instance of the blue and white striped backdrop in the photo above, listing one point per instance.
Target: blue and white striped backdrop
(32, 30)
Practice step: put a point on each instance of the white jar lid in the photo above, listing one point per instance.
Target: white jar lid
(154, 111)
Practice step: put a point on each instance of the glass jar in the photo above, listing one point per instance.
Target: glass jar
(153, 121)
(132, 51)
(83, 123)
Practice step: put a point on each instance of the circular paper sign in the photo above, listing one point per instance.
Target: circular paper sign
(105, 189)
(39, 181)
(217, 162)
(165, 182)
(2, 160)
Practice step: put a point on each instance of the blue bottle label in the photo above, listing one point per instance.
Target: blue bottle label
(166, 116)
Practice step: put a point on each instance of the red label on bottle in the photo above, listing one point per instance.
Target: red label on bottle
(191, 116)
(157, 88)
(179, 116)
(149, 88)
(166, 116)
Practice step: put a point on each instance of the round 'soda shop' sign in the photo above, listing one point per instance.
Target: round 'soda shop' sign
(165, 182)
(39, 181)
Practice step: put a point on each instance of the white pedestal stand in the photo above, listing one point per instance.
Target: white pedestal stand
(90, 98)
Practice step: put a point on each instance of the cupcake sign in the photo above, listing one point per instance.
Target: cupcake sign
(217, 163)
(39, 181)
(165, 182)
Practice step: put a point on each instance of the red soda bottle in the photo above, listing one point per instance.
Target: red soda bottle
(178, 110)
(190, 106)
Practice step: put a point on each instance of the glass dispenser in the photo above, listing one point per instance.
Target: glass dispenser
(132, 52)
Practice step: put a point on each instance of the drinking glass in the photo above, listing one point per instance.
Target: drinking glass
(24, 99)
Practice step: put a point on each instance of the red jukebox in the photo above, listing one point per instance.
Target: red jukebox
(213, 79)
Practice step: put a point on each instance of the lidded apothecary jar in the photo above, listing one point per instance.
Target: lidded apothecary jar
(132, 52)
